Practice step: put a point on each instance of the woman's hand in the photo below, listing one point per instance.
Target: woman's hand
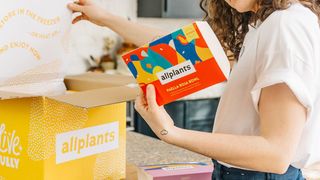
(90, 12)
(130, 31)
(155, 116)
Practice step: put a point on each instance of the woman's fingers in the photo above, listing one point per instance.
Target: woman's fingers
(75, 7)
(142, 97)
(148, 102)
(140, 102)
(78, 18)
(151, 97)
(82, 2)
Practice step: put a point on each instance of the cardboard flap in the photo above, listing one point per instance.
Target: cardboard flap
(99, 97)
(103, 77)
(91, 90)
(89, 81)
(12, 95)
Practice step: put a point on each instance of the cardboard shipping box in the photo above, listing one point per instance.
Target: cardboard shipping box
(80, 135)
(174, 171)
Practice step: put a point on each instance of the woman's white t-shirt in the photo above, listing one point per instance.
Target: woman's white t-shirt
(285, 48)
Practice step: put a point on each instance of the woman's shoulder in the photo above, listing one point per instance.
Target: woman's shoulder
(293, 32)
(291, 27)
(295, 16)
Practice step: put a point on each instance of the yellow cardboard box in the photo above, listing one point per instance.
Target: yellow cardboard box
(77, 136)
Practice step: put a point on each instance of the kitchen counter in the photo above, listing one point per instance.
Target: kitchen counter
(144, 150)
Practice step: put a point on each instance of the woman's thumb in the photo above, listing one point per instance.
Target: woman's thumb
(151, 96)
(75, 7)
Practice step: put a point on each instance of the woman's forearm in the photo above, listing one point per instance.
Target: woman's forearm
(271, 151)
(131, 31)
(251, 152)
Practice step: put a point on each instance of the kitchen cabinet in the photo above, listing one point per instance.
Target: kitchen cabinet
(170, 8)
(188, 114)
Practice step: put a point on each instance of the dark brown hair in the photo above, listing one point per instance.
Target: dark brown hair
(231, 26)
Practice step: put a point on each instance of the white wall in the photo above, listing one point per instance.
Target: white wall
(125, 8)
(87, 39)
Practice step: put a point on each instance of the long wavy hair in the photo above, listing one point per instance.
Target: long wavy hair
(231, 26)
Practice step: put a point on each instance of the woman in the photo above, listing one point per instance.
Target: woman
(268, 122)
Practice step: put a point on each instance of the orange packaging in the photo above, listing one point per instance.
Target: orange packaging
(181, 63)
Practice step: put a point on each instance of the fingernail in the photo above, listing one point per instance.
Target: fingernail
(149, 87)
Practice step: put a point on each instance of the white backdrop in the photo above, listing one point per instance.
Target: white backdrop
(125, 8)
(87, 39)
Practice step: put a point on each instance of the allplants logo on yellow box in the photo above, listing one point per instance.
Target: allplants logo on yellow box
(10, 148)
(86, 142)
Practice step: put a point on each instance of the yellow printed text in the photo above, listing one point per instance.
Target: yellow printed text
(26, 12)
(21, 45)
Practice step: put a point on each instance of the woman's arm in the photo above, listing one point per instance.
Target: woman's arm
(130, 31)
(282, 120)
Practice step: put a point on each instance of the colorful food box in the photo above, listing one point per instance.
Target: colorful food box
(181, 63)
(80, 135)
(176, 171)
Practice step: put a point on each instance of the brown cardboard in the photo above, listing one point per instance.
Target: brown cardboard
(91, 81)
(99, 97)
(114, 79)
(91, 90)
